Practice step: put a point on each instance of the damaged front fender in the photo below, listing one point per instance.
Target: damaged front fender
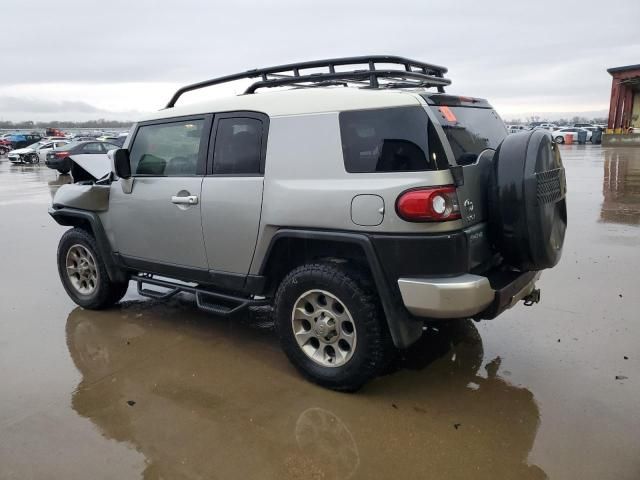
(92, 197)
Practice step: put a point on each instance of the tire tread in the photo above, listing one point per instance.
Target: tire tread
(371, 327)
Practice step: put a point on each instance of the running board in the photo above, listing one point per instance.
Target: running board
(214, 302)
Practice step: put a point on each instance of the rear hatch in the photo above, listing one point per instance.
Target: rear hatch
(473, 131)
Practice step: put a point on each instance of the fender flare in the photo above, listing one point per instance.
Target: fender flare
(74, 218)
(404, 329)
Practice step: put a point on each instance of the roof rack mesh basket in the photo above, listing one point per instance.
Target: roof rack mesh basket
(377, 71)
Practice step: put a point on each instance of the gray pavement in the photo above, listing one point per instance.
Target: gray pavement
(161, 390)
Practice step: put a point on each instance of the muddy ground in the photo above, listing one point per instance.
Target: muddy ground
(158, 390)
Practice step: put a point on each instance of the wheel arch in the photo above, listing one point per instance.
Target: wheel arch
(290, 248)
(90, 222)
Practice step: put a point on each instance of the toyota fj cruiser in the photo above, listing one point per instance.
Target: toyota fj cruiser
(357, 203)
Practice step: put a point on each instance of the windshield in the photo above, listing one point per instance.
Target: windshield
(470, 130)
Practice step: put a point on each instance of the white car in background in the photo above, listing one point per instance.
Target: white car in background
(36, 152)
(548, 126)
(48, 146)
(560, 135)
(516, 128)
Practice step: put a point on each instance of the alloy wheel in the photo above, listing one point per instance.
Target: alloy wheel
(324, 328)
(81, 269)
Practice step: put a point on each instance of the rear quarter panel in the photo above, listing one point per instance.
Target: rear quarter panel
(306, 184)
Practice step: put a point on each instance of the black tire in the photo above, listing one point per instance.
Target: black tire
(373, 347)
(66, 166)
(559, 139)
(34, 158)
(106, 292)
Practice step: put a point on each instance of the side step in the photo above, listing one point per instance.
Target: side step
(217, 303)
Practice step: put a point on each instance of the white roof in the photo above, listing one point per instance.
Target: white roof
(296, 102)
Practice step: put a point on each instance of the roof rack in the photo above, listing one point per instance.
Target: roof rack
(411, 74)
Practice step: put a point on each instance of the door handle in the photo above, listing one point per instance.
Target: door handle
(188, 200)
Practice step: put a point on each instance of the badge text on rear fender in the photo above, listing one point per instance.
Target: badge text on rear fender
(468, 206)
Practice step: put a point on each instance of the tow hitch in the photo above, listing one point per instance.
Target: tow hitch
(533, 297)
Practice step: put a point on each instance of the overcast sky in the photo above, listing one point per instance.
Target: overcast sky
(83, 59)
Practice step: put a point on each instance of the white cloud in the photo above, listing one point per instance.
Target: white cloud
(129, 57)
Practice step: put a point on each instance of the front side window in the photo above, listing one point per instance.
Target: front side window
(238, 146)
(397, 139)
(167, 149)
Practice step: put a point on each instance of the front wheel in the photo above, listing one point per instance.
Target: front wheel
(33, 158)
(331, 326)
(83, 273)
(559, 139)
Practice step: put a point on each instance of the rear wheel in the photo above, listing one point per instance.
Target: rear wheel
(65, 167)
(559, 139)
(331, 326)
(83, 273)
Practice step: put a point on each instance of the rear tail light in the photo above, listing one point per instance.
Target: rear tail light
(61, 154)
(438, 204)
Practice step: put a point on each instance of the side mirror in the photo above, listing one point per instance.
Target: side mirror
(120, 162)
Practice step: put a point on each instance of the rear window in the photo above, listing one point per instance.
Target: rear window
(390, 140)
(470, 130)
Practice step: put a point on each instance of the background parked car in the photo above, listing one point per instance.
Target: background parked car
(516, 128)
(59, 159)
(5, 144)
(25, 155)
(560, 135)
(583, 125)
(120, 139)
(48, 147)
(35, 153)
(82, 139)
(21, 140)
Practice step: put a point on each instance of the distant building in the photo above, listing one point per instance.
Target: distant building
(624, 108)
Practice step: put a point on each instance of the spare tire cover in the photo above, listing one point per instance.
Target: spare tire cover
(527, 205)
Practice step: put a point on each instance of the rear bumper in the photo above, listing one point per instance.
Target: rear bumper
(54, 163)
(465, 295)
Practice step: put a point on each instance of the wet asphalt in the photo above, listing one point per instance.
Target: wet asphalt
(163, 391)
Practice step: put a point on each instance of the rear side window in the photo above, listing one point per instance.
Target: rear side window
(389, 140)
(167, 149)
(470, 130)
(238, 146)
(92, 148)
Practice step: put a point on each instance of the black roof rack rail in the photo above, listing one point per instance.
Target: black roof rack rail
(411, 74)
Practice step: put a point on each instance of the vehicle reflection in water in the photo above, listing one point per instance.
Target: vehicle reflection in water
(328, 442)
(621, 187)
(201, 397)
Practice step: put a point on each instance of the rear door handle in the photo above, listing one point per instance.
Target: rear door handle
(188, 200)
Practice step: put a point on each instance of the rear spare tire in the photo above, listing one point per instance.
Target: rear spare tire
(528, 211)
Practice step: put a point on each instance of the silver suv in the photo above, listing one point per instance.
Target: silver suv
(358, 204)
